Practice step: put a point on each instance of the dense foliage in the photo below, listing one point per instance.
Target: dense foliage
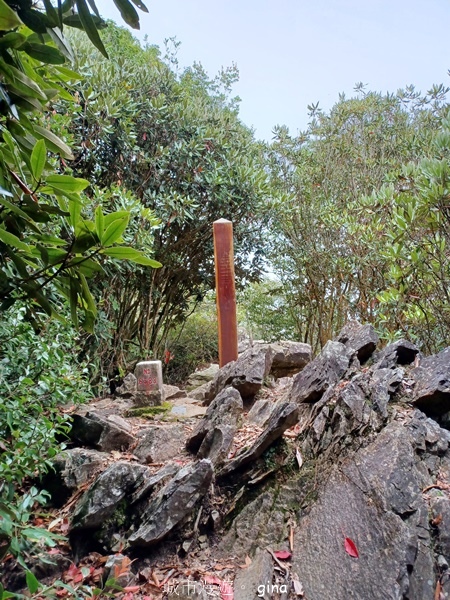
(333, 232)
(174, 145)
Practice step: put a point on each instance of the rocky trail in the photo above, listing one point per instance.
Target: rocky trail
(282, 477)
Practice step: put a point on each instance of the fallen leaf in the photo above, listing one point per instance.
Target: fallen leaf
(132, 588)
(437, 591)
(350, 548)
(299, 458)
(298, 588)
(437, 520)
(282, 554)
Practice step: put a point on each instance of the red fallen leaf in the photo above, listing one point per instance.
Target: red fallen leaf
(132, 588)
(351, 548)
(282, 554)
(128, 596)
(54, 551)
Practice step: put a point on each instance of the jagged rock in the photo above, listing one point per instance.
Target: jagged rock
(158, 444)
(401, 352)
(100, 501)
(71, 469)
(217, 443)
(363, 339)
(173, 503)
(288, 358)
(384, 384)
(202, 393)
(246, 374)
(201, 377)
(432, 384)
(375, 499)
(128, 387)
(324, 371)
(256, 580)
(226, 409)
(260, 412)
(284, 416)
(172, 392)
(152, 483)
(153, 398)
(440, 513)
(105, 434)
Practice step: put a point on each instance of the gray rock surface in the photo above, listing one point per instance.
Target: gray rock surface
(384, 383)
(260, 412)
(363, 339)
(217, 444)
(104, 433)
(128, 387)
(159, 443)
(173, 503)
(289, 358)
(202, 376)
(324, 371)
(432, 384)
(284, 416)
(71, 469)
(226, 409)
(381, 486)
(246, 374)
(100, 501)
(256, 580)
(401, 352)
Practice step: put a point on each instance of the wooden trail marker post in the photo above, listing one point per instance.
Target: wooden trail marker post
(225, 291)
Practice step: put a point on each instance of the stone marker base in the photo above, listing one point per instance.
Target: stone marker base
(141, 399)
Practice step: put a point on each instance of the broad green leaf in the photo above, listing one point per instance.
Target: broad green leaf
(87, 296)
(8, 18)
(34, 19)
(99, 221)
(32, 582)
(110, 217)
(12, 40)
(52, 13)
(89, 26)
(73, 303)
(38, 159)
(22, 82)
(114, 231)
(67, 183)
(44, 53)
(127, 253)
(75, 212)
(53, 142)
(140, 5)
(61, 42)
(68, 75)
(75, 21)
(86, 266)
(13, 240)
(128, 13)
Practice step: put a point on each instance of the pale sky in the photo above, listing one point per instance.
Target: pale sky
(291, 53)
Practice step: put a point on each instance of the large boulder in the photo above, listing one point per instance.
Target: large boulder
(375, 500)
(284, 416)
(363, 339)
(70, 470)
(104, 433)
(289, 358)
(320, 374)
(101, 500)
(173, 503)
(432, 385)
(159, 443)
(401, 352)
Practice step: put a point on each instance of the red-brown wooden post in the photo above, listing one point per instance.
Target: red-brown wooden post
(225, 291)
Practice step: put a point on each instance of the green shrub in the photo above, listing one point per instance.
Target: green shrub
(193, 345)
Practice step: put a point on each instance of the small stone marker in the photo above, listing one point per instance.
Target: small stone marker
(150, 390)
